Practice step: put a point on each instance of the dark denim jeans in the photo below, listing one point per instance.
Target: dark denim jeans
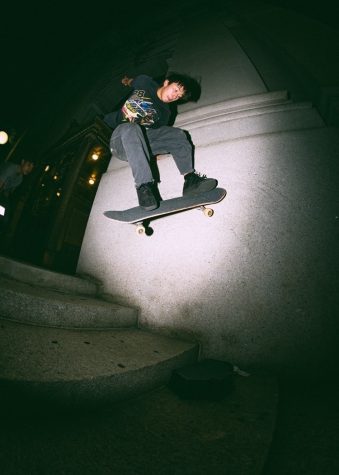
(137, 146)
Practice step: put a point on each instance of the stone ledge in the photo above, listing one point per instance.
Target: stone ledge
(32, 304)
(234, 105)
(39, 276)
(86, 366)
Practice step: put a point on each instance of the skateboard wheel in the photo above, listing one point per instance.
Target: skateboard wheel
(208, 212)
(140, 230)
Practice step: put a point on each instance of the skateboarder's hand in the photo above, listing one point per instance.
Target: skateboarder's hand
(126, 81)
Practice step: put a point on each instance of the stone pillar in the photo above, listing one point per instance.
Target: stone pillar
(56, 237)
(255, 284)
(208, 50)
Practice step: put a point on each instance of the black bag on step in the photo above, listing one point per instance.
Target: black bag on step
(209, 380)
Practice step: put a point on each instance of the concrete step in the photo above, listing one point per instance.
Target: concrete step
(226, 129)
(45, 278)
(85, 366)
(244, 117)
(255, 101)
(36, 305)
(226, 116)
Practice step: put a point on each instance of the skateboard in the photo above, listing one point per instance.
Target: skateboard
(140, 217)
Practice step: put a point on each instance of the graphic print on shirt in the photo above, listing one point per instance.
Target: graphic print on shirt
(139, 108)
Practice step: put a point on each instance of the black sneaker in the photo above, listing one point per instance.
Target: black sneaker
(196, 183)
(146, 197)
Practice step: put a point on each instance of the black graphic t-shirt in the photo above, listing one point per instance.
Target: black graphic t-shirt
(142, 106)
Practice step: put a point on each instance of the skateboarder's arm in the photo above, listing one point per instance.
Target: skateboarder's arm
(126, 81)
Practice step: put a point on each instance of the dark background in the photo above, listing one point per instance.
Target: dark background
(41, 43)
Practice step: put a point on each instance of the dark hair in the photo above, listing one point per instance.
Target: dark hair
(191, 86)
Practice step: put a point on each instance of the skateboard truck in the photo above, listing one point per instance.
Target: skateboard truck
(142, 227)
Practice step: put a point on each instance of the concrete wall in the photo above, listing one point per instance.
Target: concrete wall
(294, 45)
(256, 283)
(207, 50)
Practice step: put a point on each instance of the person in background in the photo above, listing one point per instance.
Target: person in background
(11, 176)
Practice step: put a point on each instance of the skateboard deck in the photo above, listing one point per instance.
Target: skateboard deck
(138, 216)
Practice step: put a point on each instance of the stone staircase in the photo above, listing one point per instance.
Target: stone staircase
(61, 342)
(64, 351)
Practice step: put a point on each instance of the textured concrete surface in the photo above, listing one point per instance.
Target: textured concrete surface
(33, 304)
(256, 284)
(37, 276)
(154, 434)
(76, 366)
(230, 125)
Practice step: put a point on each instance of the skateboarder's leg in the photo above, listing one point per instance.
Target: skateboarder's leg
(128, 144)
(172, 140)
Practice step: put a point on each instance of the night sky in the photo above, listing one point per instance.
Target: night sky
(42, 42)
(39, 43)
(38, 47)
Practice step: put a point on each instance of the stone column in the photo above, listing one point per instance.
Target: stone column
(208, 50)
(56, 237)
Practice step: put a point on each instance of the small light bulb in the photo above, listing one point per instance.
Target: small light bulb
(3, 137)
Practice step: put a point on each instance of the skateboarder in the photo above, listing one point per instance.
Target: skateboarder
(141, 131)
